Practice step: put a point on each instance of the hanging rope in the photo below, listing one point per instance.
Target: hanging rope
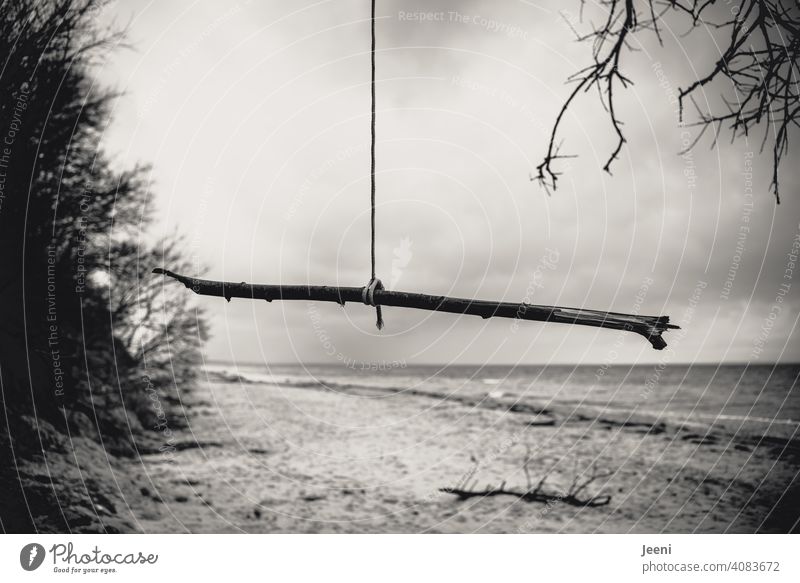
(374, 283)
(651, 327)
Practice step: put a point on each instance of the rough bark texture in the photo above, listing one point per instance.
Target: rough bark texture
(651, 327)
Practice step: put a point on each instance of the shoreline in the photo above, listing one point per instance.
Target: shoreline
(314, 457)
(318, 460)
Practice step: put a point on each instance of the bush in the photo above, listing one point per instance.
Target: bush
(82, 320)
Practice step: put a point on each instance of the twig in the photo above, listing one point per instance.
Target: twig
(574, 496)
(757, 62)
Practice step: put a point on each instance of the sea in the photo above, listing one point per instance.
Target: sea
(760, 399)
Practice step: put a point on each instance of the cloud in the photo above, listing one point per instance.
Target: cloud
(263, 125)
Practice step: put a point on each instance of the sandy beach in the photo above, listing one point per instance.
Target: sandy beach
(262, 457)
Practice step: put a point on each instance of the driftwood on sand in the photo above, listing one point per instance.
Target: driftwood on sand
(651, 327)
(576, 495)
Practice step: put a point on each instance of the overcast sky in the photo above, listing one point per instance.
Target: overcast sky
(255, 118)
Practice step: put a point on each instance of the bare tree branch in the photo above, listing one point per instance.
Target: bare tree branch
(759, 63)
(651, 327)
(575, 495)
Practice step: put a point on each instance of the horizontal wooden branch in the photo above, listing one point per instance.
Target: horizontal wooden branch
(651, 327)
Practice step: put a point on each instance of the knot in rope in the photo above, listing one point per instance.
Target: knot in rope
(368, 297)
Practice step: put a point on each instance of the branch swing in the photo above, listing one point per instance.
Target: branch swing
(374, 294)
